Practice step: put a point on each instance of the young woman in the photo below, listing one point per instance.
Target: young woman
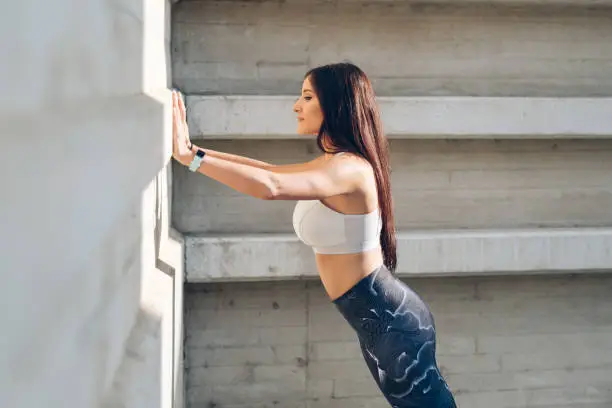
(345, 213)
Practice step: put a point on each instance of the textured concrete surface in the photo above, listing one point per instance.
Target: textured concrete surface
(506, 342)
(469, 205)
(408, 49)
(272, 117)
(91, 269)
(436, 185)
(535, 71)
(433, 253)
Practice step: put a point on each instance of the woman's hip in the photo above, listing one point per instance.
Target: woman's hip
(396, 331)
(381, 303)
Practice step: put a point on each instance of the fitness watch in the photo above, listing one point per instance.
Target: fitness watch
(197, 160)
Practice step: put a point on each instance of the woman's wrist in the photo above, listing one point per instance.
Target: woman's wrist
(188, 156)
(193, 149)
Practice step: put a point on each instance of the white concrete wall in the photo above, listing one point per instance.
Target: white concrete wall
(508, 342)
(91, 269)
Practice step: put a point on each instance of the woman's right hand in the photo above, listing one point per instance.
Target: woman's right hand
(181, 145)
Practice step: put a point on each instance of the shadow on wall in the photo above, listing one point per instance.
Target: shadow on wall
(143, 355)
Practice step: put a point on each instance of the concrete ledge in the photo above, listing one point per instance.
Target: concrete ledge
(436, 253)
(270, 117)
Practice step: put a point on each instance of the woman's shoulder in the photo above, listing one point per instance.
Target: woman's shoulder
(360, 170)
(353, 158)
(353, 164)
(344, 155)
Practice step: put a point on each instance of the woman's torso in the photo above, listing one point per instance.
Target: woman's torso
(340, 272)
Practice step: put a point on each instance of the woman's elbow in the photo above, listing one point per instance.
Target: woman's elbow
(267, 195)
(269, 190)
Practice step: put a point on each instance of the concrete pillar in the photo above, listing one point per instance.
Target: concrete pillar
(91, 269)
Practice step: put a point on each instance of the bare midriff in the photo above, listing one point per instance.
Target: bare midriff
(341, 272)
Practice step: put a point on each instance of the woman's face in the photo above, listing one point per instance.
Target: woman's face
(309, 113)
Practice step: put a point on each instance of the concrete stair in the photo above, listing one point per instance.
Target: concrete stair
(271, 117)
(424, 253)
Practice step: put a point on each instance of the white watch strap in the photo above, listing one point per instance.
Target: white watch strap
(195, 163)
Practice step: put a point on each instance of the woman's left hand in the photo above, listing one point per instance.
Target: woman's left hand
(181, 146)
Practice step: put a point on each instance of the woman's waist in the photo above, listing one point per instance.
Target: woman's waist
(339, 273)
(383, 299)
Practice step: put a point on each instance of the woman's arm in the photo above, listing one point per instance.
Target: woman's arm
(323, 178)
(238, 159)
(284, 168)
(320, 179)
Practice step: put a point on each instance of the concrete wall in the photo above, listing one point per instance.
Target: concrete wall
(502, 342)
(436, 185)
(461, 207)
(502, 187)
(479, 206)
(91, 269)
(412, 117)
(265, 47)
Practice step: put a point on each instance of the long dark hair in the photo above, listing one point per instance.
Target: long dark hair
(351, 123)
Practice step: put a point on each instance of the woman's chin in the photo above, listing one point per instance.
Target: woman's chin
(304, 132)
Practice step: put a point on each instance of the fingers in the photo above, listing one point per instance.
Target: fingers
(175, 115)
(182, 109)
(177, 101)
(174, 99)
(175, 126)
(174, 111)
(179, 123)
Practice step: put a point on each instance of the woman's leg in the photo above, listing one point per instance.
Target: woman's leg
(396, 331)
(408, 381)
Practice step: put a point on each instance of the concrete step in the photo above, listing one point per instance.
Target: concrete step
(420, 253)
(271, 117)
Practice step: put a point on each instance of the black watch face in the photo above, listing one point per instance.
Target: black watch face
(200, 153)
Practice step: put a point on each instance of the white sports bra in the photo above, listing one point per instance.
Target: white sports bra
(330, 232)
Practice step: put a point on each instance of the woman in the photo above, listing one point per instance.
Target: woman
(345, 213)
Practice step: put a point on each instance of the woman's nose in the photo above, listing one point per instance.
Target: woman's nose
(296, 106)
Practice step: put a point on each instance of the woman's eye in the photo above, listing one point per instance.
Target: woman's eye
(308, 98)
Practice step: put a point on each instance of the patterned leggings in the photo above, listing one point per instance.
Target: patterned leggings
(397, 335)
